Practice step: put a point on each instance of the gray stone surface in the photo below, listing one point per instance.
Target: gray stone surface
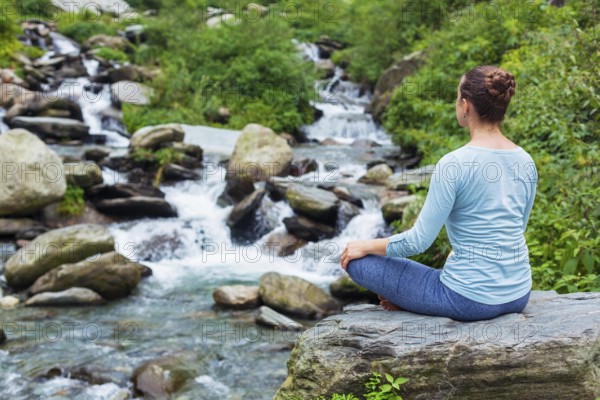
(74, 296)
(550, 351)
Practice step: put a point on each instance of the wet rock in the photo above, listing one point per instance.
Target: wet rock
(74, 296)
(346, 212)
(242, 217)
(365, 143)
(326, 66)
(25, 193)
(54, 248)
(130, 92)
(52, 128)
(96, 154)
(545, 352)
(302, 165)
(151, 137)
(113, 42)
(122, 190)
(296, 296)
(277, 186)
(330, 142)
(237, 296)
(20, 228)
(137, 207)
(111, 275)
(307, 229)
(377, 175)
(174, 172)
(9, 302)
(283, 244)
(236, 188)
(269, 317)
(403, 180)
(318, 204)
(53, 218)
(2, 336)
(259, 154)
(343, 193)
(83, 174)
(393, 209)
(135, 33)
(45, 106)
(159, 379)
(192, 150)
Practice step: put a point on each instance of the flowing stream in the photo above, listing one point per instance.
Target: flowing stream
(91, 352)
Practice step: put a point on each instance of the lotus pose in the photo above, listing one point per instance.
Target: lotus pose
(483, 192)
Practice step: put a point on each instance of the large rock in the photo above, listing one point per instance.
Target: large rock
(129, 92)
(550, 351)
(121, 190)
(377, 175)
(296, 296)
(403, 180)
(269, 317)
(137, 207)
(392, 210)
(111, 275)
(151, 137)
(52, 127)
(113, 42)
(20, 228)
(243, 212)
(83, 174)
(236, 189)
(390, 80)
(259, 154)
(54, 248)
(307, 229)
(74, 296)
(312, 202)
(160, 378)
(237, 296)
(282, 244)
(32, 174)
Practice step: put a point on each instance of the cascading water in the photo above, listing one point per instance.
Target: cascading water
(172, 311)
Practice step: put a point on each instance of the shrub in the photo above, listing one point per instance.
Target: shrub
(73, 202)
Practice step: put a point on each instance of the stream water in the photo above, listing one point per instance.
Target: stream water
(172, 311)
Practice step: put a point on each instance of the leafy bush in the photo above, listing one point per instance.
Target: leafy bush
(35, 9)
(83, 25)
(73, 202)
(554, 116)
(376, 390)
(111, 54)
(8, 32)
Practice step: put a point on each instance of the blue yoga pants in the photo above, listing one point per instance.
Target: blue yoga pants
(417, 288)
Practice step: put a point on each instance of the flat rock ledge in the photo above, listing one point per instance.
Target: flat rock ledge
(550, 351)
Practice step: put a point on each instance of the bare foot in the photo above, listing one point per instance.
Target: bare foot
(388, 305)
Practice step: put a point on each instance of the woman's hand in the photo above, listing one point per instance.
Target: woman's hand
(360, 248)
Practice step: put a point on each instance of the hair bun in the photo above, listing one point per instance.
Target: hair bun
(500, 84)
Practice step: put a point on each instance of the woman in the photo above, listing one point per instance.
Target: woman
(483, 192)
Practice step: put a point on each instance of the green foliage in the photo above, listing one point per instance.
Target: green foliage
(73, 202)
(156, 160)
(252, 68)
(554, 115)
(8, 32)
(111, 54)
(35, 9)
(83, 25)
(389, 390)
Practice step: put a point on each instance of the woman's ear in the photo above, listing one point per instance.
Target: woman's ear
(465, 106)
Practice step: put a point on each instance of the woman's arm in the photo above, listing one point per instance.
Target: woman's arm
(361, 248)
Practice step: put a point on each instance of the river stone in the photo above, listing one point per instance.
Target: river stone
(52, 127)
(114, 42)
(54, 248)
(307, 229)
(296, 296)
(9, 302)
(121, 190)
(272, 318)
(129, 92)
(377, 175)
(83, 174)
(282, 244)
(245, 209)
(346, 212)
(159, 379)
(74, 296)
(2, 336)
(402, 180)
(21, 228)
(137, 207)
(151, 137)
(237, 296)
(25, 193)
(259, 154)
(549, 351)
(321, 205)
(111, 275)
(393, 209)
(174, 172)
(236, 189)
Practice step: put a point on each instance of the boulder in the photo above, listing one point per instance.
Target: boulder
(74, 296)
(245, 209)
(236, 188)
(296, 296)
(346, 212)
(307, 229)
(96, 154)
(160, 378)
(53, 218)
(121, 190)
(259, 154)
(343, 193)
(9, 302)
(391, 79)
(32, 174)
(377, 175)
(129, 92)
(393, 209)
(52, 127)
(549, 351)
(312, 202)
(111, 275)
(137, 207)
(174, 172)
(113, 42)
(302, 165)
(151, 137)
(45, 106)
(20, 228)
(277, 186)
(404, 179)
(54, 248)
(83, 174)
(269, 317)
(237, 296)
(283, 244)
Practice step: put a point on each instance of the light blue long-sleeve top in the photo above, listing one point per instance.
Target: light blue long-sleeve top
(484, 197)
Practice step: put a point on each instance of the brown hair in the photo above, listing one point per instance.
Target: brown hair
(489, 88)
